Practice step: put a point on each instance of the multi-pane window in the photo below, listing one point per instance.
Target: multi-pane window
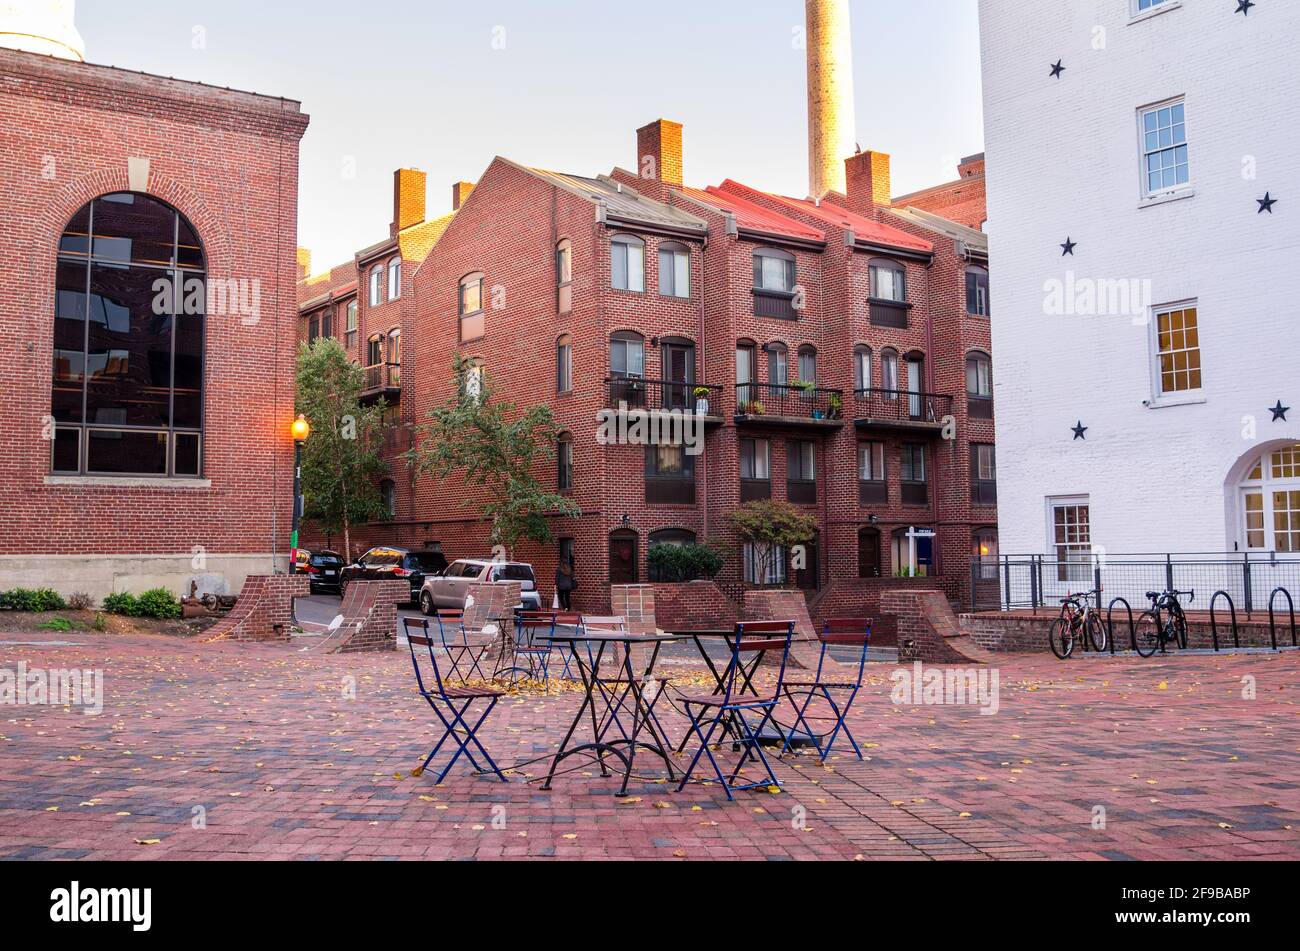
(627, 356)
(1072, 540)
(1271, 494)
(1178, 339)
(564, 365)
(674, 270)
(376, 286)
(352, 324)
(912, 467)
(1144, 5)
(755, 460)
(394, 278)
(627, 263)
(888, 282)
(977, 292)
(1164, 147)
(774, 271)
(564, 462)
(984, 474)
(130, 319)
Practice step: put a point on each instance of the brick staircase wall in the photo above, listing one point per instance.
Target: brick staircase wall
(369, 617)
(264, 602)
(861, 597)
(695, 606)
(928, 629)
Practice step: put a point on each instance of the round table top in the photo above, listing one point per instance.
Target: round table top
(619, 637)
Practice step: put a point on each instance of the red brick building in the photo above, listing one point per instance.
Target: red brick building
(146, 257)
(588, 293)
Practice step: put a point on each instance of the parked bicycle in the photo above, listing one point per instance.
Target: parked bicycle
(1164, 624)
(1079, 619)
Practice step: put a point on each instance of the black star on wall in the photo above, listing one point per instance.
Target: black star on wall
(1279, 412)
(1080, 431)
(1068, 247)
(1266, 203)
(1057, 69)
(1243, 7)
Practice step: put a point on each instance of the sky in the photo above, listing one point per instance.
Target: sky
(560, 84)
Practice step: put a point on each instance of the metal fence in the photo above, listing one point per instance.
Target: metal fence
(1018, 582)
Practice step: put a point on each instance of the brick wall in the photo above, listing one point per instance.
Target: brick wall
(1020, 633)
(264, 603)
(370, 615)
(928, 630)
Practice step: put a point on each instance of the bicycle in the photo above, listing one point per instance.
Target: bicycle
(1078, 620)
(1164, 624)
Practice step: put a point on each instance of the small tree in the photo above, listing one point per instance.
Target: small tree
(341, 466)
(773, 528)
(496, 447)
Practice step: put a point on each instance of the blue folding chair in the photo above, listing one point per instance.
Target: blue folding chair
(532, 650)
(728, 709)
(457, 702)
(461, 650)
(846, 632)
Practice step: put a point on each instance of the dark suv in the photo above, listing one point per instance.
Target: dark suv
(393, 564)
(325, 569)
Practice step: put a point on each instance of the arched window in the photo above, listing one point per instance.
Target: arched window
(862, 368)
(564, 364)
(627, 263)
(979, 385)
(564, 462)
(808, 364)
(778, 364)
(394, 357)
(564, 276)
(376, 285)
(674, 270)
(774, 271)
(1270, 497)
(469, 305)
(388, 492)
(394, 278)
(350, 325)
(889, 373)
(472, 383)
(129, 328)
(977, 292)
(869, 553)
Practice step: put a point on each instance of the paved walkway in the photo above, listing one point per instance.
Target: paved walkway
(253, 752)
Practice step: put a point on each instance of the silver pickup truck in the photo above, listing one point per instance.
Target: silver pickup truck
(448, 590)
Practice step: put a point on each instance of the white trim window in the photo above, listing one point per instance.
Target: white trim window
(674, 270)
(395, 279)
(1165, 166)
(1178, 349)
(376, 285)
(1070, 534)
(627, 263)
(1271, 503)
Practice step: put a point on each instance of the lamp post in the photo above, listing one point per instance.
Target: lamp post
(301, 431)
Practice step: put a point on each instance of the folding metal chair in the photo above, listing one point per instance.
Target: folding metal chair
(530, 646)
(854, 632)
(728, 708)
(451, 704)
(461, 651)
(573, 620)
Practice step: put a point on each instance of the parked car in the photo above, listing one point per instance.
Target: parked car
(325, 569)
(388, 564)
(448, 590)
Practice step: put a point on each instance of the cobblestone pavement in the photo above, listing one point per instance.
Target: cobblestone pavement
(258, 752)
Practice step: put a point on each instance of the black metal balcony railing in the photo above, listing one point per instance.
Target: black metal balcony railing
(757, 400)
(887, 313)
(902, 406)
(383, 377)
(775, 304)
(692, 398)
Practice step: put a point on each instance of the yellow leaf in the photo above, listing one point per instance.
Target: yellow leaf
(1163, 685)
(148, 841)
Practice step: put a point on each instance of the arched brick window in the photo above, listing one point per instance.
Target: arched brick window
(129, 329)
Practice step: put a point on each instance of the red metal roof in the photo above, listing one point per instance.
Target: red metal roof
(754, 217)
(867, 229)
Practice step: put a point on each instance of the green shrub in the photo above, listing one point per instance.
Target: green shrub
(678, 563)
(34, 602)
(60, 624)
(124, 604)
(100, 623)
(159, 603)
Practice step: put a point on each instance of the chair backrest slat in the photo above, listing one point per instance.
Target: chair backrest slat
(418, 634)
(749, 638)
(849, 632)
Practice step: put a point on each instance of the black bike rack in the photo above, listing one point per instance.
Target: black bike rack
(1214, 621)
(1272, 616)
(1110, 625)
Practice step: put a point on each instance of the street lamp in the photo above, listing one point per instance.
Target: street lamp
(301, 431)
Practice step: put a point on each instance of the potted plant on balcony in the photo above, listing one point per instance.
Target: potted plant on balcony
(751, 408)
(835, 407)
(702, 401)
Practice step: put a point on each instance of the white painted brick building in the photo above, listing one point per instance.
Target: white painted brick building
(1166, 463)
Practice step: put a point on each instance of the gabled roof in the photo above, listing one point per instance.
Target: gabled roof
(752, 217)
(418, 240)
(977, 241)
(866, 229)
(621, 205)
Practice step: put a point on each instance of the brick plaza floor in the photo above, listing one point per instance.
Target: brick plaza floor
(283, 761)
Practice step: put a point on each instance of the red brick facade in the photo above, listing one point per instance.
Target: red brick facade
(228, 162)
(508, 230)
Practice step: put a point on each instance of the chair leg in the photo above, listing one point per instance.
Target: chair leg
(801, 721)
(757, 747)
(704, 744)
(842, 726)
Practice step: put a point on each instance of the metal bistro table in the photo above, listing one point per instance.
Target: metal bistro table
(614, 694)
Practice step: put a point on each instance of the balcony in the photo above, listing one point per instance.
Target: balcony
(766, 404)
(384, 381)
(888, 313)
(778, 305)
(902, 410)
(690, 399)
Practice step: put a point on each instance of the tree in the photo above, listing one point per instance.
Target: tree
(341, 466)
(773, 528)
(495, 446)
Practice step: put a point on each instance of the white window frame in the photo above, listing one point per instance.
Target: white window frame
(1073, 579)
(376, 285)
(1159, 398)
(1267, 486)
(1178, 188)
(678, 283)
(395, 279)
(1156, 7)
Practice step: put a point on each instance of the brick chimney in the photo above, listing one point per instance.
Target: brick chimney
(830, 95)
(460, 194)
(971, 166)
(659, 152)
(409, 187)
(304, 264)
(867, 174)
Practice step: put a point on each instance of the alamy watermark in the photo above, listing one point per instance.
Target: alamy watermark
(640, 427)
(952, 686)
(1097, 297)
(38, 687)
(210, 297)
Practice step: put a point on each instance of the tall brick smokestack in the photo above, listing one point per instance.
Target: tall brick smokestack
(831, 137)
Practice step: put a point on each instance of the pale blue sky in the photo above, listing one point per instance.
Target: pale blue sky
(421, 84)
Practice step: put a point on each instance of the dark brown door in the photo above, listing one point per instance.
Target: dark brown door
(679, 374)
(809, 577)
(869, 553)
(623, 558)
